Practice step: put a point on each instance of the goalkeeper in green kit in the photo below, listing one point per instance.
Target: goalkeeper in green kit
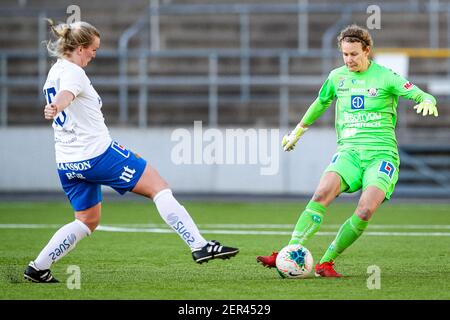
(367, 156)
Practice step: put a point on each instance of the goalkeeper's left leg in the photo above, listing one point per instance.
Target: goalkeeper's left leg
(353, 228)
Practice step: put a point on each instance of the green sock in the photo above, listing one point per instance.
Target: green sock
(347, 234)
(308, 223)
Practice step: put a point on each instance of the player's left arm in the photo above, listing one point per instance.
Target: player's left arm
(426, 103)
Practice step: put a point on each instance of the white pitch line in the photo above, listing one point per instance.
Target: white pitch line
(29, 226)
(253, 232)
(329, 226)
(145, 229)
(290, 226)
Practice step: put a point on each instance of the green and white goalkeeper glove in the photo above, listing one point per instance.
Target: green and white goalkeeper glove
(289, 140)
(426, 107)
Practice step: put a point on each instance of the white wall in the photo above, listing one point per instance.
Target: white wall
(27, 162)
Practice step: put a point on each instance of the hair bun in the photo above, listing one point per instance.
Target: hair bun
(66, 31)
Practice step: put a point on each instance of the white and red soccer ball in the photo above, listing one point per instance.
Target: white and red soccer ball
(294, 261)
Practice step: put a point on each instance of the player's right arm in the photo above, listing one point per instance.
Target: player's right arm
(326, 96)
(61, 101)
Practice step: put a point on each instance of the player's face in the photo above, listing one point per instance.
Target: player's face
(87, 54)
(355, 58)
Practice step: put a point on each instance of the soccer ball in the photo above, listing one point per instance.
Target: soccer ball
(294, 261)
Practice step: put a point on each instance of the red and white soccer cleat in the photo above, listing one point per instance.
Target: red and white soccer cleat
(326, 270)
(268, 261)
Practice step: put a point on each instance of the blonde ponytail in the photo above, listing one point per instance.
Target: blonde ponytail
(68, 37)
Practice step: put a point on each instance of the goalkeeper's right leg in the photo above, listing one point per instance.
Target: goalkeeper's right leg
(311, 218)
(307, 225)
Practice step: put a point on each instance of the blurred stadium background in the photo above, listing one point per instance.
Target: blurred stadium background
(231, 64)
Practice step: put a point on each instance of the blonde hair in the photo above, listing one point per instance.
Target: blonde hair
(355, 33)
(69, 37)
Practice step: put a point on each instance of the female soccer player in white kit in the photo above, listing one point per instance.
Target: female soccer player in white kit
(87, 157)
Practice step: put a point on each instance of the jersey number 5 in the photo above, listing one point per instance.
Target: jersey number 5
(49, 94)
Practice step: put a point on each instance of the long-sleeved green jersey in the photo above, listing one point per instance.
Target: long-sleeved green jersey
(366, 107)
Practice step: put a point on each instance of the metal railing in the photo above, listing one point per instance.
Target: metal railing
(148, 30)
(212, 79)
(152, 18)
(424, 175)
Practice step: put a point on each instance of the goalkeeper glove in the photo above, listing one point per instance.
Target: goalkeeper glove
(289, 140)
(426, 107)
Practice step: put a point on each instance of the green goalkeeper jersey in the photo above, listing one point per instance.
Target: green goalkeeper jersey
(366, 106)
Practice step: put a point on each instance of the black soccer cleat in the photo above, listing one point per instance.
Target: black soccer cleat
(34, 275)
(213, 250)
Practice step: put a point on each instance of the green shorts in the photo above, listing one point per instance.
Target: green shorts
(362, 168)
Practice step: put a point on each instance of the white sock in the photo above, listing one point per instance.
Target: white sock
(63, 241)
(176, 216)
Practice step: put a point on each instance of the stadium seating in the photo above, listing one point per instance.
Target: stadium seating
(181, 104)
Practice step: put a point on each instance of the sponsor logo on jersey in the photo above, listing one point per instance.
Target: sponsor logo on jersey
(408, 85)
(349, 132)
(120, 149)
(341, 82)
(127, 174)
(358, 90)
(372, 92)
(357, 102)
(75, 166)
(73, 175)
(387, 168)
(355, 81)
(356, 118)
